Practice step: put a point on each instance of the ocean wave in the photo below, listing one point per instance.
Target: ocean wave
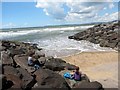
(62, 43)
(4, 35)
(61, 46)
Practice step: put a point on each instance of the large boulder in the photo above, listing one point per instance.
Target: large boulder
(17, 51)
(49, 79)
(13, 81)
(88, 85)
(6, 59)
(55, 64)
(12, 76)
(1, 68)
(28, 80)
(10, 70)
(39, 53)
(42, 60)
(6, 44)
(7, 84)
(21, 60)
(25, 80)
(2, 47)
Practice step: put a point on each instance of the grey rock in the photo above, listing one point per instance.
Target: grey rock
(6, 59)
(55, 64)
(50, 79)
(91, 85)
(22, 62)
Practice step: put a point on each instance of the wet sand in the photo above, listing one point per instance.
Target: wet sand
(99, 66)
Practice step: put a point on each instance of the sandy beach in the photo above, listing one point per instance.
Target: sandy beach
(99, 66)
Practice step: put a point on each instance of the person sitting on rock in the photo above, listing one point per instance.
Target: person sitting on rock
(32, 62)
(77, 74)
(30, 59)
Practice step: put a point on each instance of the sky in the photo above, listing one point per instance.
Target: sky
(42, 13)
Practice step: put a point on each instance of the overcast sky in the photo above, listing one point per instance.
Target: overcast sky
(41, 13)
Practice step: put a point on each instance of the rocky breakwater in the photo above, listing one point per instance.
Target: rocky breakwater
(104, 34)
(15, 72)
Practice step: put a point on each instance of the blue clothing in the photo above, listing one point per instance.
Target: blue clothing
(67, 75)
(36, 66)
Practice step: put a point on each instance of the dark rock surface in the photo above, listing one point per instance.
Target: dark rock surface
(70, 67)
(55, 64)
(104, 34)
(22, 62)
(89, 85)
(6, 59)
(14, 74)
(48, 78)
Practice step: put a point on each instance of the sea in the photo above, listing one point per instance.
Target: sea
(53, 40)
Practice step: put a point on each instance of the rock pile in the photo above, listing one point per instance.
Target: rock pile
(104, 34)
(15, 72)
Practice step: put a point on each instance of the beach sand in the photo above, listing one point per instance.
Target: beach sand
(99, 66)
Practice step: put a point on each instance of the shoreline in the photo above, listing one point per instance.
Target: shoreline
(100, 66)
(88, 52)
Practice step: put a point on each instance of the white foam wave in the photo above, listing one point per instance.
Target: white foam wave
(61, 46)
(83, 27)
(26, 32)
(67, 28)
(17, 33)
(60, 29)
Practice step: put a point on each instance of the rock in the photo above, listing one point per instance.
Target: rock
(2, 48)
(47, 78)
(14, 52)
(1, 78)
(49, 58)
(42, 60)
(100, 34)
(113, 36)
(22, 62)
(13, 75)
(71, 37)
(104, 43)
(6, 84)
(55, 64)
(39, 53)
(28, 80)
(1, 69)
(91, 85)
(6, 44)
(112, 45)
(6, 59)
(13, 81)
(24, 78)
(70, 66)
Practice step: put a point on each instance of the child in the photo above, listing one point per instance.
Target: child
(30, 59)
(77, 75)
(33, 63)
